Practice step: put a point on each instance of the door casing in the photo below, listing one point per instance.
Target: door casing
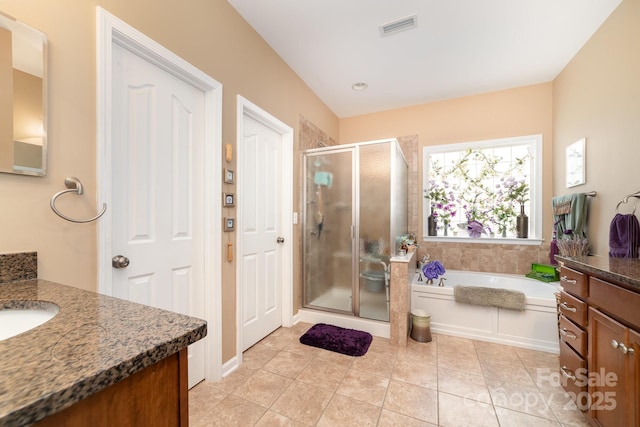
(247, 108)
(112, 30)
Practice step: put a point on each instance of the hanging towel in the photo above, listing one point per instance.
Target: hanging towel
(495, 297)
(570, 213)
(323, 178)
(553, 250)
(624, 236)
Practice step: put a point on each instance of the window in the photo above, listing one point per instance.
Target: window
(477, 189)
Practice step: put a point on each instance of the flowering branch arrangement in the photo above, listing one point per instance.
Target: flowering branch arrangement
(503, 215)
(475, 192)
(516, 190)
(442, 203)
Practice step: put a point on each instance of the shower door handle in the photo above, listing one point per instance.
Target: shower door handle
(280, 240)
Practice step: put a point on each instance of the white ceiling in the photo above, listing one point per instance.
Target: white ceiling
(459, 48)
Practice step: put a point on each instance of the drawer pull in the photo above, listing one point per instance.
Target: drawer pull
(566, 307)
(568, 334)
(623, 348)
(567, 373)
(567, 280)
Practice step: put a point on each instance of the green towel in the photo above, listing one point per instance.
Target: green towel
(572, 218)
(323, 178)
(543, 277)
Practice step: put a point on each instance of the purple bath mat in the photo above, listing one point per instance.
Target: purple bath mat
(335, 338)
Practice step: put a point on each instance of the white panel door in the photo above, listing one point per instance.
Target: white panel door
(260, 222)
(157, 191)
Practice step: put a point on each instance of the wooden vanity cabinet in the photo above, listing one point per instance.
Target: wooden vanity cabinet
(613, 393)
(634, 375)
(572, 325)
(614, 354)
(599, 330)
(155, 396)
(573, 282)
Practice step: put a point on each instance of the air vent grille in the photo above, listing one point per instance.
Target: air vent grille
(398, 25)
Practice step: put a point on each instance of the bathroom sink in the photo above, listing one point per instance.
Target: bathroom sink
(17, 317)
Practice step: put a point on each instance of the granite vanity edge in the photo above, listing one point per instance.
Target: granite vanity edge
(89, 385)
(584, 265)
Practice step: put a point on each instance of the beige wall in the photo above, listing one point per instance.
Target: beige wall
(597, 96)
(207, 33)
(514, 112)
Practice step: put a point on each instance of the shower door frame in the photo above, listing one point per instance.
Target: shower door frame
(355, 300)
(354, 149)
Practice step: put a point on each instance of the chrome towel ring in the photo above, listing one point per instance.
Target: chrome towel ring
(626, 200)
(74, 186)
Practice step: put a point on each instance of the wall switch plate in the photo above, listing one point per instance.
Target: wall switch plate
(295, 217)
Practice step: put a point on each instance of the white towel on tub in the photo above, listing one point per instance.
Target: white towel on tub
(494, 297)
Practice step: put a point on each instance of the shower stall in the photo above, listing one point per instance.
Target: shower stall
(355, 212)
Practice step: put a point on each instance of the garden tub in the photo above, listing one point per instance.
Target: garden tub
(535, 327)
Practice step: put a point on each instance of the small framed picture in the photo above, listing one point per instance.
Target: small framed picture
(228, 176)
(575, 161)
(228, 199)
(229, 224)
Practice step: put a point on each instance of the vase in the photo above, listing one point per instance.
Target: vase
(522, 224)
(446, 227)
(432, 223)
(504, 232)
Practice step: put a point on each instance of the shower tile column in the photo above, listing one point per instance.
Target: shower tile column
(402, 271)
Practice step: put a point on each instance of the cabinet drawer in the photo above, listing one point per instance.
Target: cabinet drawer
(574, 309)
(573, 371)
(573, 335)
(618, 302)
(573, 282)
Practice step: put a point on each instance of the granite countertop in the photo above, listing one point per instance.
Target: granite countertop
(625, 271)
(93, 342)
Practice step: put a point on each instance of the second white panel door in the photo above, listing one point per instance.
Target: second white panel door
(260, 223)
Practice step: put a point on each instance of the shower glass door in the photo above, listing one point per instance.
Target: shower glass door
(355, 210)
(374, 219)
(328, 230)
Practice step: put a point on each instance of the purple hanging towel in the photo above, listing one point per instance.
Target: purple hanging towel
(624, 236)
(553, 251)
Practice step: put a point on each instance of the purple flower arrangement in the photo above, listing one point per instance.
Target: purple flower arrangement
(433, 269)
(475, 228)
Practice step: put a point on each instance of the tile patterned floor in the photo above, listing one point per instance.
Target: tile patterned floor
(448, 382)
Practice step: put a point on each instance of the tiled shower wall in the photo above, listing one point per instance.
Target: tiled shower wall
(313, 137)
(485, 257)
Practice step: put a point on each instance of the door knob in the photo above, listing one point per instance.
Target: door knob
(119, 261)
(280, 240)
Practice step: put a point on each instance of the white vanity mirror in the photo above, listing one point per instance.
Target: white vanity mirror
(23, 98)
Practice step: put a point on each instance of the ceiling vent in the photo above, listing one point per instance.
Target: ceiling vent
(398, 25)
